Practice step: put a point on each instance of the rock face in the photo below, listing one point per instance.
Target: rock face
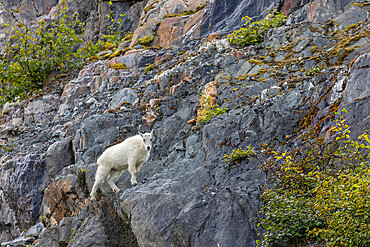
(187, 194)
(222, 16)
(23, 181)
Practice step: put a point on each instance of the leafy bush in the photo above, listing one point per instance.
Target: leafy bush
(321, 193)
(209, 110)
(238, 155)
(253, 32)
(344, 201)
(31, 54)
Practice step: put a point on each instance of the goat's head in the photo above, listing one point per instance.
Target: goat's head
(147, 139)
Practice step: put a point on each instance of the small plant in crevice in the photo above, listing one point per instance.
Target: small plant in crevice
(6, 148)
(114, 33)
(187, 12)
(150, 67)
(253, 32)
(209, 109)
(73, 233)
(321, 191)
(146, 41)
(238, 155)
(313, 71)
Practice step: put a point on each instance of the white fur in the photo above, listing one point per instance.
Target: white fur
(127, 155)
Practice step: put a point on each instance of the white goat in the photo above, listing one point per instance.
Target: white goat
(127, 155)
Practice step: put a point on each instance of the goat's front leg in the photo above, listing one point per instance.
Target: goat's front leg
(133, 172)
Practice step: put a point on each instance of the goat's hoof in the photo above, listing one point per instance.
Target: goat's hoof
(133, 183)
(117, 191)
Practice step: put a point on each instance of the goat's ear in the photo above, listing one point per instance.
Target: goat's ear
(140, 133)
(151, 132)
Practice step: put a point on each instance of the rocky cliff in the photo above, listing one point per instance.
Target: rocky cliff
(187, 195)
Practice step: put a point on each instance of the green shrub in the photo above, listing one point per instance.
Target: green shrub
(209, 110)
(253, 32)
(31, 54)
(343, 200)
(238, 155)
(321, 193)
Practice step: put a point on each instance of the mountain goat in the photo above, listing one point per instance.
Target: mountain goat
(127, 155)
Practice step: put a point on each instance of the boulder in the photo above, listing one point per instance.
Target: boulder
(124, 96)
(62, 198)
(353, 15)
(59, 155)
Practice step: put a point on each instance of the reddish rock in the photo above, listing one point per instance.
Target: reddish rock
(169, 31)
(213, 37)
(62, 198)
(148, 118)
(191, 121)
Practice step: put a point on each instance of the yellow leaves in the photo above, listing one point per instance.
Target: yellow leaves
(324, 187)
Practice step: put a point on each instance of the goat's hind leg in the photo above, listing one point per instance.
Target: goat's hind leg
(101, 174)
(112, 177)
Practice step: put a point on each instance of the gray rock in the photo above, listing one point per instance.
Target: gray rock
(91, 102)
(227, 60)
(35, 230)
(301, 45)
(92, 131)
(126, 95)
(187, 195)
(222, 16)
(50, 237)
(322, 42)
(358, 82)
(163, 79)
(293, 99)
(266, 94)
(352, 16)
(37, 107)
(72, 91)
(59, 155)
(244, 68)
(102, 228)
(21, 241)
(139, 59)
(27, 238)
(67, 229)
(21, 193)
